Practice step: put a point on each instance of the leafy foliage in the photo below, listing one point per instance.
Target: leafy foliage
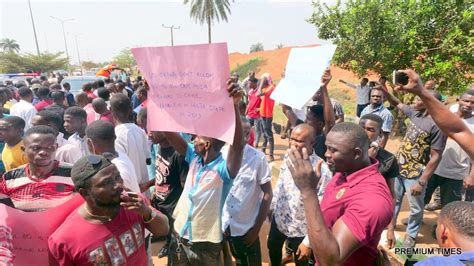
(9, 45)
(250, 66)
(434, 37)
(279, 46)
(89, 64)
(125, 58)
(256, 47)
(14, 63)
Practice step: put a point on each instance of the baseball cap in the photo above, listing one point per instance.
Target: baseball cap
(87, 167)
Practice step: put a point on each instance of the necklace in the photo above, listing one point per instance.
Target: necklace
(99, 217)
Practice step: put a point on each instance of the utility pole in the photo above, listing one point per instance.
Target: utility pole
(172, 27)
(64, 33)
(34, 29)
(78, 55)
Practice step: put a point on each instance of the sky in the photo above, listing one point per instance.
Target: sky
(102, 28)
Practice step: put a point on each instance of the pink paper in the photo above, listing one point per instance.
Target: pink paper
(188, 91)
(26, 234)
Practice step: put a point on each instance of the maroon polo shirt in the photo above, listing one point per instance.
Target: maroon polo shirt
(364, 203)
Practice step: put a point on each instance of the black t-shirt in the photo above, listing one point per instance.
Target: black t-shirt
(388, 166)
(171, 170)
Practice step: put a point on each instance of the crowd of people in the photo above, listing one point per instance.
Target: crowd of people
(337, 190)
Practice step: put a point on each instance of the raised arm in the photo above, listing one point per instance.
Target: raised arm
(348, 84)
(179, 144)
(447, 121)
(288, 112)
(236, 150)
(394, 101)
(328, 110)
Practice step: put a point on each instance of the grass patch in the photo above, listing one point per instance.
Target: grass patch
(250, 66)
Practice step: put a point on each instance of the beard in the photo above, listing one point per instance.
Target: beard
(108, 205)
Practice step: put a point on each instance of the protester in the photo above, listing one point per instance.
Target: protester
(100, 107)
(345, 228)
(87, 88)
(253, 109)
(58, 103)
(388, 164)
(66, 152)
(41, 184)
(362, 96)
(265, 90)
(337, 107)
(24, 108)
(376, 107)
(101, 141)
(418, 157)
(142, 97)
(171, 170)
(44, 99)
(131, 140)
(288, 220)
(69, 96)
(84, 102)
(75, 123)
(11, 131)
(455, 164)
(112, 220)
(454, 230)
(247, 204)
(197, 237)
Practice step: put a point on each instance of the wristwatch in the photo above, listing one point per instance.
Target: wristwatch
(422, 183)
(152, 216)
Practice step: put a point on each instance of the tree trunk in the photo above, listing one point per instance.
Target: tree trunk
(209, 28)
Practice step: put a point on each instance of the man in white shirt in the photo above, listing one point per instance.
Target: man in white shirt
(131, 140)
(75, 123)
(100, 138)
(362, 96)
(24, 108)
(66, 152)
(247, 203)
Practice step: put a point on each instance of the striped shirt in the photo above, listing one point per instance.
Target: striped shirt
(28, 194)
(199, 209)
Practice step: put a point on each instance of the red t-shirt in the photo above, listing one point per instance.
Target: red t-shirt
(251, 138)
(107, 116)
(90, 113)
(91, 94)
(119, 242)
(39, 106)
(253, 109)
(266, 107)
(364, 203)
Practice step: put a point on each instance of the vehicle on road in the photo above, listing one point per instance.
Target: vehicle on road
(76, 82)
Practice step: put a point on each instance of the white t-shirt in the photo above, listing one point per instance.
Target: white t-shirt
(127, 172)
(132, 141)
(25, 110)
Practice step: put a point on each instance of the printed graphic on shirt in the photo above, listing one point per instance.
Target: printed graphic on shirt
(137, 231)
(414, 152)
(162, 173)
(97, 257)
(127, 243)
(113, 249)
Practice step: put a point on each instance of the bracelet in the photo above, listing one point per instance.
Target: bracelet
(152, 216)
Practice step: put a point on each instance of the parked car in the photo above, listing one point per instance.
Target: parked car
(77, 81)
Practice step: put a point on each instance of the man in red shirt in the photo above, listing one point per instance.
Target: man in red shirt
(111, 220)
(100, 107)
(356, 206)
(45, 100)
(266, 89)
(253, 110)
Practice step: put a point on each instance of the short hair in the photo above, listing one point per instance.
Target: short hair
(45, 130)
(460, 214)
(55, 86)
(24, 92)
(87, 86)
(51, 117)
(57, 96)
(100, 83)
(318, 111)
(99, 102)
(142, 90)
(353, 133)
(436, 94)
(253, 79)
(66, 84)
(120, 103)
(107, 80)
(76, 112)
(101, 130)
(43, 92)
(142, 114)
(375, 88)
(365, 79)
(16, 122)
(469, 92)
(373, 117)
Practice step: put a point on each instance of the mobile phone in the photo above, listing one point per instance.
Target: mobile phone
(400, 78)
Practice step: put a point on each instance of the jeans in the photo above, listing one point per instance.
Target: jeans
(450, 189)
(245, 255)
(416, 203)
(268, 134)
(275, 242)
(258, 123)
(360, 107)
(184, 252)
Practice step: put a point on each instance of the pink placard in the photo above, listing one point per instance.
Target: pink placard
(26, 234)
(188, 91)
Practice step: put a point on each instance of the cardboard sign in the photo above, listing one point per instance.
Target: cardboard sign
(188, 91)
(303, 73)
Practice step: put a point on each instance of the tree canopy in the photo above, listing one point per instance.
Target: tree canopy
(256, 47)
(9, 45)
(125, 58)
(206, 11)
(18, 63)
(434, 37)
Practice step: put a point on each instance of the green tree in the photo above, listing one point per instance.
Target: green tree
(125, 59)
(89, 64)
(256, 47)
(14, 63)
(434, 37)
(279, 46)
(9, 45)
(206, 11)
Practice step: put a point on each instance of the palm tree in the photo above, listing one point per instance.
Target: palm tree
(208, 10)
(9, 45)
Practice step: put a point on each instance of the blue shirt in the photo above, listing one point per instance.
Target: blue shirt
(451, 260)
(383, 112)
